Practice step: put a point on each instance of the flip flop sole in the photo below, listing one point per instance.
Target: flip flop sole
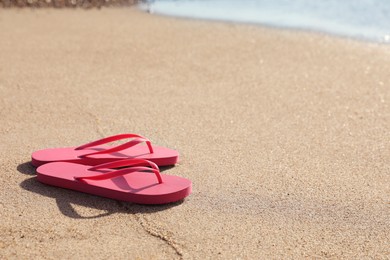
(136, 187)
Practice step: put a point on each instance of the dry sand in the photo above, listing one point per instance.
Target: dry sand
(285, 135)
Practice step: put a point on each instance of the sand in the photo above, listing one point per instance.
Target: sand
(284, 134)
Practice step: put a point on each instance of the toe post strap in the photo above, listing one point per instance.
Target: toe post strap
(136, 139)
(132, 165)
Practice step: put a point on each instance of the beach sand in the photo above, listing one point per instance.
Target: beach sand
(285, 136)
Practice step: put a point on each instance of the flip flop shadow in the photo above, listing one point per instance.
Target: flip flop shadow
(65, 198)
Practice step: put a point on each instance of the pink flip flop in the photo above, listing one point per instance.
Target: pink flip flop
(96, 152)
(140, 182)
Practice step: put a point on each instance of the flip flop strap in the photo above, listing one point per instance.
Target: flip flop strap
(137, 139)
(121, 172)
(125, 163)
(134, 165)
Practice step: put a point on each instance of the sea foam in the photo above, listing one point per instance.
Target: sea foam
(363, 19)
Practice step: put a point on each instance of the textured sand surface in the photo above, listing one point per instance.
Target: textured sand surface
(285, 135)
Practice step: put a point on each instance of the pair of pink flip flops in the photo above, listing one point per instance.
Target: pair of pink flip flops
(127, 172)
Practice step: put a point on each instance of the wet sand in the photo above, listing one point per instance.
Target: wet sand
(285, 136)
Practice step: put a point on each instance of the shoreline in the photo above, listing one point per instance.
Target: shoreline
(340, 19)
(271, 27)
(142, 5)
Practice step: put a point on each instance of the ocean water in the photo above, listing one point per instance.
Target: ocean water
(361, 19)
